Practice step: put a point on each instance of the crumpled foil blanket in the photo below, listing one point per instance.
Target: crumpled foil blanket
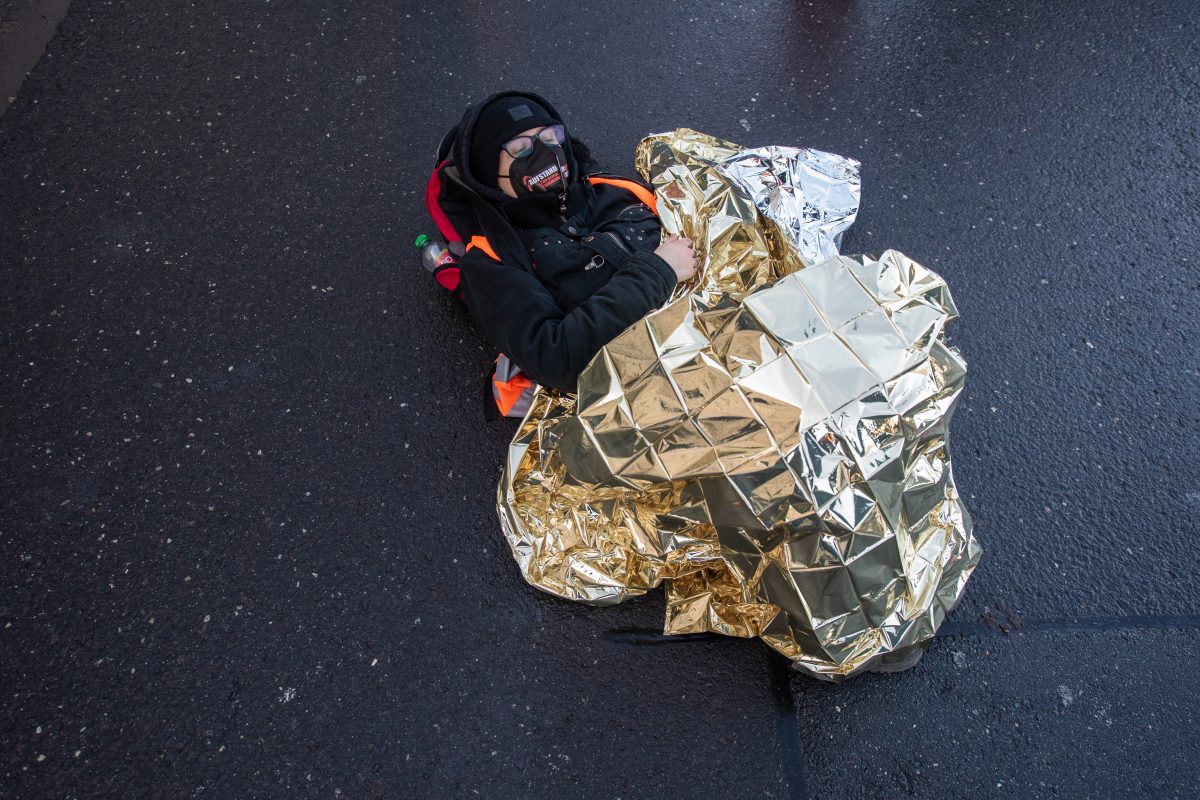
(773, 444)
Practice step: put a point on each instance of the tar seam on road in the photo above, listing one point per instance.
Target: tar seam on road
(24, 34)
(1066, 625)
(790, 743)
(644, 637)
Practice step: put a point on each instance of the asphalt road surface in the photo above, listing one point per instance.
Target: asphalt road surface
(248, 546)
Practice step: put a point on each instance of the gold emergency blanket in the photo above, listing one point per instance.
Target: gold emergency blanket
(773, 445)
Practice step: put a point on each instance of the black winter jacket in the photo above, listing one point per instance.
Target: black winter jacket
(588, 275)
(594, 274)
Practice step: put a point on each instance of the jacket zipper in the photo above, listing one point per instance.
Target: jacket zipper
(617, 239)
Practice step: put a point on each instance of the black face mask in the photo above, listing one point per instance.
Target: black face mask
(543, 170)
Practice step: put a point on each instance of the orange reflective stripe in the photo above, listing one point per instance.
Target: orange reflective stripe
(641, 192)
(510, 391)
(483, 244)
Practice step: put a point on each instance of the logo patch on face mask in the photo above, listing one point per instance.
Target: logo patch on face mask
(544, 179)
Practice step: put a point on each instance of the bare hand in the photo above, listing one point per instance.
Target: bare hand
(677, 251)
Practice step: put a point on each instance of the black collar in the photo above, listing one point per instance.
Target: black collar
(541, 210)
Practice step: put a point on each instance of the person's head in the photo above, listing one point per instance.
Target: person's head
(531, 161)
(519, 146)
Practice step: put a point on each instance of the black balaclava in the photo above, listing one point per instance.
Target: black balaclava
(501, 120)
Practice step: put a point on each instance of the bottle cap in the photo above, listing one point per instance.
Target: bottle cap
(421, 241)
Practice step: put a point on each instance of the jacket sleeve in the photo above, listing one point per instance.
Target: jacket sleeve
(519, 315)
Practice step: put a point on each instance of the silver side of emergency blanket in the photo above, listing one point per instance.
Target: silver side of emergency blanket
(773, 444)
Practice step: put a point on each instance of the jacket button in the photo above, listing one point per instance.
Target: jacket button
(571, 229)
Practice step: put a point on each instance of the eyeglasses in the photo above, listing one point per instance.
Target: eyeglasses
(521, 146)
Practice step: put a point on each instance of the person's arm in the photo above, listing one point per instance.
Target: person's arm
(519, 315)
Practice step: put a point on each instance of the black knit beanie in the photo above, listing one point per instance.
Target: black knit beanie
(499, 121)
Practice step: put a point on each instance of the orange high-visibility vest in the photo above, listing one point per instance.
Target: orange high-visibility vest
(509, 393)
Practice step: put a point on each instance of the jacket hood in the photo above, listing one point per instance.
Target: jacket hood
(466, 138)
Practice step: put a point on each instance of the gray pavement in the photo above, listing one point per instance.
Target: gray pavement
(247, 538)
